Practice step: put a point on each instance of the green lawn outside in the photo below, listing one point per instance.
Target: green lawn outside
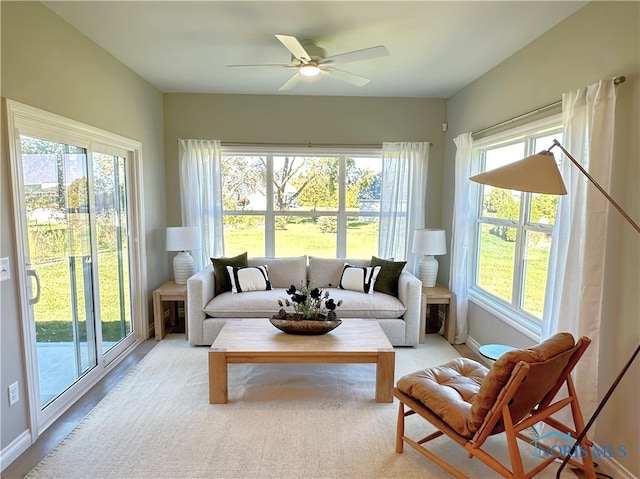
(299, 238)
(496, 270)
(54, 310)
(60, 331)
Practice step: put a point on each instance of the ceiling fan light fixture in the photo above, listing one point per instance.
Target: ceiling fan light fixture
(309, 70)
(309, 60)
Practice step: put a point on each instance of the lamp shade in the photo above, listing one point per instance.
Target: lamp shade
(535, 174)
(182, 238)
(429, 242)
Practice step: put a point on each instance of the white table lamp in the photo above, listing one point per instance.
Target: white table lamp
(429, 242)
(182, 239)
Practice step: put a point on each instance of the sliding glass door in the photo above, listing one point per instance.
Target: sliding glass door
(76, 224)
(80, 256)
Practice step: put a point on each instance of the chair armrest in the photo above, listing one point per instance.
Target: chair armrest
(410, 294)
(200, 288)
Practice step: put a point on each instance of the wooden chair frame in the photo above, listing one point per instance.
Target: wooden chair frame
(500, 418)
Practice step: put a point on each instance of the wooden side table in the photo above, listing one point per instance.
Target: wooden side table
(169, 291)
(438, 294)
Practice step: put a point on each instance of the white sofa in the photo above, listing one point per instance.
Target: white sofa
(399, 316)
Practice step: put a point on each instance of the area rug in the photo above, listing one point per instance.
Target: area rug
(282, 421)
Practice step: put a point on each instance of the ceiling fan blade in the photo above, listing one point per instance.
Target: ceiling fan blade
(281, 65)
(358, 55)
(352, 78)
(291, 82)
(295, 47)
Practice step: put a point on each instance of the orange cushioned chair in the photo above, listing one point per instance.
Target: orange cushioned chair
(468, 402)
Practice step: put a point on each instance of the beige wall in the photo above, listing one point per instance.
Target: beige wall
(600, 41)
(300, 119)
(49, 65)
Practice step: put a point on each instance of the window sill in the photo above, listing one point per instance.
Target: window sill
(518, 322)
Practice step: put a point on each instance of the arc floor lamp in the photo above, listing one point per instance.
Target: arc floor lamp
(539, 174)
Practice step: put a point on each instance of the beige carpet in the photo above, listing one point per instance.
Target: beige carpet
(282, 421)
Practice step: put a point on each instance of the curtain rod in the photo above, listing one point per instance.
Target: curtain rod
(302, 145)
(617, 80)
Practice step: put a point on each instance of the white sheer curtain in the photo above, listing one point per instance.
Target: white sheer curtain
(403, 198)
(575, 285)
(201, 195)
(461, 233)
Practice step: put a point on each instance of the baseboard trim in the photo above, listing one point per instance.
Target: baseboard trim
(475, 347)
(19, 445)
(613, 468)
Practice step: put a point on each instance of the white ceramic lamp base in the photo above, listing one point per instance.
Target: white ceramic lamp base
(182, 267)
(428, 270)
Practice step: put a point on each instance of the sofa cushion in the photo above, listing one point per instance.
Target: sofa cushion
(359, 305)
(220, 274)
(359, 278)
(248, 278)
(264, 304)
(284, 272)
(254, 304)
(326, 272)
(387, 281)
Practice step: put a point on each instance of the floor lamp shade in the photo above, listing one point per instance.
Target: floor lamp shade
(429, 243)
(182, 239)
(536, 174)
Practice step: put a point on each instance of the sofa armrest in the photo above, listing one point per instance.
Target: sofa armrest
(410, 294)
(200, 288)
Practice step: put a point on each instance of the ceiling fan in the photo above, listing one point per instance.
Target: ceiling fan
(310, 60)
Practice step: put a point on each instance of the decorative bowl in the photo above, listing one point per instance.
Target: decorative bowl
(307, 327)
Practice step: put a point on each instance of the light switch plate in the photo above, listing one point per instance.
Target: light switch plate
(5, 273)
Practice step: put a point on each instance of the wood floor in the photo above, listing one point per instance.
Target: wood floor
(466, 352)
(49, 439)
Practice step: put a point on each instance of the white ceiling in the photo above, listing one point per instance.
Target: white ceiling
(436, 48)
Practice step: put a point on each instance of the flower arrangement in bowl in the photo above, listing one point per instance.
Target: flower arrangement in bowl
(310, 312)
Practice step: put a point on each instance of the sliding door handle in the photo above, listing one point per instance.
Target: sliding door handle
(36, 298)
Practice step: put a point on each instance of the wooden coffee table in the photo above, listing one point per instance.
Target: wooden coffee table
(258, 341)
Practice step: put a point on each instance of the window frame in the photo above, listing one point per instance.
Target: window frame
(512, 313)
(270, 213)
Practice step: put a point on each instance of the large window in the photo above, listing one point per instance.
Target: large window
(288, 203)
(514, 230)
